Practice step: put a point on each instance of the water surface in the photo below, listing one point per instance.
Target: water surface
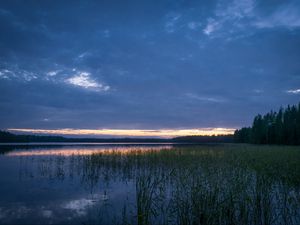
(52, 184)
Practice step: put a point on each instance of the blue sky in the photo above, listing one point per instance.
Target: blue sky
(146, 64)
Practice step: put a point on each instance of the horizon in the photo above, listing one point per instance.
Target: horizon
(146, 68)
(107, 133)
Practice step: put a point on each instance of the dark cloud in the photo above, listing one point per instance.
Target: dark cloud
(146, 64)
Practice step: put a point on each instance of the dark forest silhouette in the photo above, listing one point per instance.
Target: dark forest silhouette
(10, 137)
(282, 127)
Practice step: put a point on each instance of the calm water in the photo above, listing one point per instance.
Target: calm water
(56, 185)
(149, 184)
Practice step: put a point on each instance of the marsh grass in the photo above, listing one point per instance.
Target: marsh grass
(208, 184)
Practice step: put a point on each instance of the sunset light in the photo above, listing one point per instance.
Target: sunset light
(130, 133)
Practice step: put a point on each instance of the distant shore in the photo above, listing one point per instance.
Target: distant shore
(10, 138)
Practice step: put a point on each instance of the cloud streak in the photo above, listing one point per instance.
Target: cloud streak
(242, 16)
(230, 15)
(84, 80)
(205, 98)
(287, 16)
(211, 26)
(293, 91)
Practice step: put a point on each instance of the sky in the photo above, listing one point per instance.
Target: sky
(155, 66)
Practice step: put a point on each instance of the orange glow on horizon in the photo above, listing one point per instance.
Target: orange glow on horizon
(131, 133)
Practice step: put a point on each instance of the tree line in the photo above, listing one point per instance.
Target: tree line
(7, 137)
(204, 139)
(282, 127)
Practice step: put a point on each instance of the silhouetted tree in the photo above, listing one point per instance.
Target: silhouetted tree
(243, 135)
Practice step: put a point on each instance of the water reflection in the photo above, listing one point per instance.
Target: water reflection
(71, 151)
(149, 185)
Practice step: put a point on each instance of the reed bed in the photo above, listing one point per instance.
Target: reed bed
(207, 184)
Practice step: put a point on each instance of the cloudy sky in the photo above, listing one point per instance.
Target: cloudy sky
(146, 65)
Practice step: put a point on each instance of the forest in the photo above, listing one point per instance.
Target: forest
(282, 127)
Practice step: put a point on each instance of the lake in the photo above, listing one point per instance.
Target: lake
(149, 184)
